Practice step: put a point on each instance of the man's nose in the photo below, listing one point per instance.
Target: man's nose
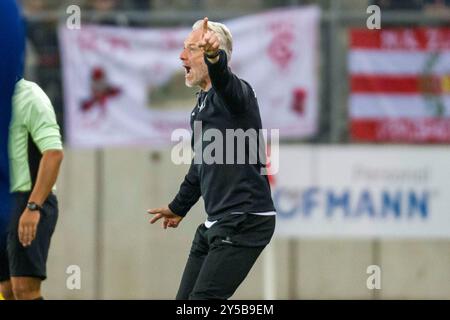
(183, 55)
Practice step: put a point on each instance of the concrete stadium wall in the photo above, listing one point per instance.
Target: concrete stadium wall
(103, 228)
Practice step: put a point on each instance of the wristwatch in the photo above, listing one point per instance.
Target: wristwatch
(33, 206)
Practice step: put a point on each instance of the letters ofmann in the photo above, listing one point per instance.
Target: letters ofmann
(348, 203)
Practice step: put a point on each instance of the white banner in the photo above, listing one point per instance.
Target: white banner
(363, 191)
(125, 86)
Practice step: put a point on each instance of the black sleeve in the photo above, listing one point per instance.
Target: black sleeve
(188, 194)
(236, 93)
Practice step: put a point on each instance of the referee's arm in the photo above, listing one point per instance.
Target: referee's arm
(44, 130)
(46, 178)
(47, 175)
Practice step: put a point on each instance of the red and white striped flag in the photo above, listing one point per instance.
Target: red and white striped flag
(400, 85)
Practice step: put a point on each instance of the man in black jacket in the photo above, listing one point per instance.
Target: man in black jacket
(236, 192)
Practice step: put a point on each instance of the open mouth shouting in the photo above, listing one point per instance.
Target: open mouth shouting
(187, 70)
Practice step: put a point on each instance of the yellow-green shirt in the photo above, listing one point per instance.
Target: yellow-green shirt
(33, 117)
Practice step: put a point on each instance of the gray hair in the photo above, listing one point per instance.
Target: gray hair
(222, 32)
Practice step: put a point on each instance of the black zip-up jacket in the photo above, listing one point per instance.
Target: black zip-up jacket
(226, 188)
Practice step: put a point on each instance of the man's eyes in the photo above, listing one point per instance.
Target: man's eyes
(192, 49)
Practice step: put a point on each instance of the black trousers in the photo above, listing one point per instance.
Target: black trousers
(222, 256)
